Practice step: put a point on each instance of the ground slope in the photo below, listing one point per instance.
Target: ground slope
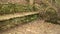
(35, 27)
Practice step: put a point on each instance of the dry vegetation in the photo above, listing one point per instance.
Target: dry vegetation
(48, 12)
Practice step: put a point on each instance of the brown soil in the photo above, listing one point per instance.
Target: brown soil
(35, 27)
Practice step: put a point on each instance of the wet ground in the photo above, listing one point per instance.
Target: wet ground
(35, 27)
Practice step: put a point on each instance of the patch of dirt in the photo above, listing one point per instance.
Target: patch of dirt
(35, 27)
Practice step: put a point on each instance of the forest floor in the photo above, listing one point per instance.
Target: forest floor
(35, 27)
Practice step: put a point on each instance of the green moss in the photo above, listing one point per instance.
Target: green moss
(17, 21)
(15, 8)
